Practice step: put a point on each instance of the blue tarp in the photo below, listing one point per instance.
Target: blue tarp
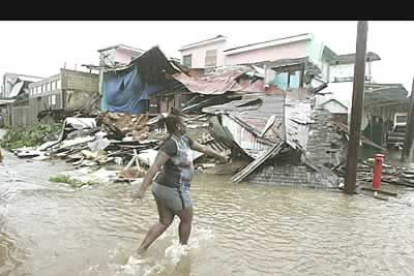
(123, 91)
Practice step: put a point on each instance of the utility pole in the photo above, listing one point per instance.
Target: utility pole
(409, 129)
(356, 112)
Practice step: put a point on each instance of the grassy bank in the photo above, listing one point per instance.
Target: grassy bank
(70, 181)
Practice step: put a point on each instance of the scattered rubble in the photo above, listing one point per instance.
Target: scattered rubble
(272, 136)
(92, 145)
(394, 175)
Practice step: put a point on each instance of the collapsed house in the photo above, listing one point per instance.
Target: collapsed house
(128, 89)
(288, 143)
(287, 140)
(236, 110)
(15, 102)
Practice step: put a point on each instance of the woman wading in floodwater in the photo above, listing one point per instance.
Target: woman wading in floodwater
(171, 187)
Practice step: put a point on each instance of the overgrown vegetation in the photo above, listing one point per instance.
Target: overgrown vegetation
(30, 136)
(70, 181)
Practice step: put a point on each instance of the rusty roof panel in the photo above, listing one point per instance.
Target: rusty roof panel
(210, 85)
(225, 80)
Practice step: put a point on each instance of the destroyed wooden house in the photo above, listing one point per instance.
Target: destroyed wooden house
(222, 86)
(288, 141)
(15, 103)
(282, 136)
(141, 86)
(263, 123)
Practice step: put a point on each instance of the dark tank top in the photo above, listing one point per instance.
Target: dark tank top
(179, 169)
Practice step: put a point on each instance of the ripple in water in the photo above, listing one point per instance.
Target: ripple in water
(151, 262)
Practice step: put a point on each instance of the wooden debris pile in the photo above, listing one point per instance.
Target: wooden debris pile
(394, 175)
(120, 126)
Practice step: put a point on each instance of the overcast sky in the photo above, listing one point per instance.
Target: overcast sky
(40, 48)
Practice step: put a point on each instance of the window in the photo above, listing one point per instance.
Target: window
(49, 86)
(53, 100)
(294, 79)
(282, 80)
(187, 60)
(54, 85)
(325, 70)
(401, 118)
(211, 58)
(287, 79)
(58, 84)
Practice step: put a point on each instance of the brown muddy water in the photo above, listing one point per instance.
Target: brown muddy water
(239, 229)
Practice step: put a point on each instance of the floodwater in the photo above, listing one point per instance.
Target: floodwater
(239, 229)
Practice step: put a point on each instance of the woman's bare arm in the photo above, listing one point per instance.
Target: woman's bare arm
(209, 151)
(160, 160)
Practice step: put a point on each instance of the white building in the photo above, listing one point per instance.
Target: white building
(340, 83)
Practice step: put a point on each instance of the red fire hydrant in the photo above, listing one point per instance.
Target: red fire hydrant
(376, 181)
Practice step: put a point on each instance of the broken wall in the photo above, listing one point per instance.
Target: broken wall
(81, 89)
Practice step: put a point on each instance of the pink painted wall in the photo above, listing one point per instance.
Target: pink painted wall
(291, 50)
(199, 54)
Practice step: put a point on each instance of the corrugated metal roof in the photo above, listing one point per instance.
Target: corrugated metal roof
(17, 88)
(223, 82)
(350, 58)
(247, 120)
(245, 104)
(244, 138)
(380, 94)
(23, 77)
(210, 85)
(258, 87)
(153, 66)
(297, 119)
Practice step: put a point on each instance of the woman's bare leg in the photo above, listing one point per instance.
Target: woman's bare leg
(165, 219)
(184, 229)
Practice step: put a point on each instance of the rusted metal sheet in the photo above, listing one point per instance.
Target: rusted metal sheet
(297, 119)
(227, 80)
(210, 85)
(271, 152)
(257, 87)
(249, 142)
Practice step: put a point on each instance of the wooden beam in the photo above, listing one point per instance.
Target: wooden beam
(356, 112)
(409, 135)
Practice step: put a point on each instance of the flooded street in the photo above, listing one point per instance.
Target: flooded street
(239, 229)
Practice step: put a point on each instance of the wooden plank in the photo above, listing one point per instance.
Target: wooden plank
(379, 191)
(275, 149)
(356, 111)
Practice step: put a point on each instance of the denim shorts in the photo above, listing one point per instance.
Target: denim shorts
(176, 199)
